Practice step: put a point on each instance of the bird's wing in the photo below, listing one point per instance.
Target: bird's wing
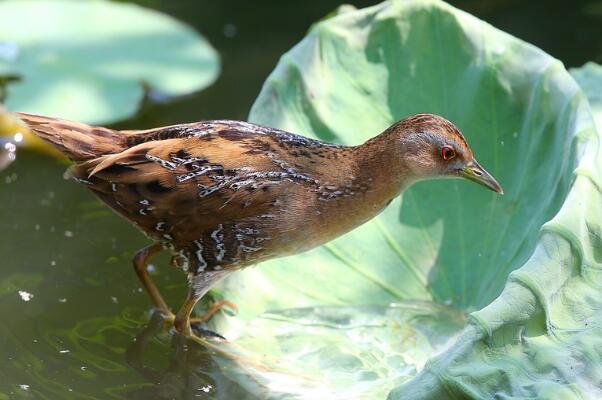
(203, 191)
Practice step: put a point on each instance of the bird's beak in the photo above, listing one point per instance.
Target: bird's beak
(474, 172)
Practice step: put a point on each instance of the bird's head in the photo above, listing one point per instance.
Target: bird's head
(431, 146)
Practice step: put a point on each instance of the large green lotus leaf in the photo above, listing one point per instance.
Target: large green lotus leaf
(89, 60)
(542, 337)
(321, 322)
(589, 78)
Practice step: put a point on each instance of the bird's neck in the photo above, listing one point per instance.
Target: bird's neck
(380, 167)
(359, 183)
(370, 182)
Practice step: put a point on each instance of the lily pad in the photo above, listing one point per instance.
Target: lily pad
(525, 266)
(91, 61)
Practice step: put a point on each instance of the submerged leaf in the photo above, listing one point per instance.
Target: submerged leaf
(449, 242)
(91, 60)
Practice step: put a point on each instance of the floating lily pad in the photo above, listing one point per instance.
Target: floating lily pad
(90, 61)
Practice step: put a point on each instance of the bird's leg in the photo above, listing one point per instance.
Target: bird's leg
(199, 286)
(140, 262)
(182, 320)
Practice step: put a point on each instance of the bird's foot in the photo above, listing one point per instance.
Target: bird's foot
(192, 327)
(214, 308)
(168, 318)
(196, 322)
(196, 332)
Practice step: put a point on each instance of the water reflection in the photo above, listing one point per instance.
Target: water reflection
(189, 371)
(11, 136)
(8, 149)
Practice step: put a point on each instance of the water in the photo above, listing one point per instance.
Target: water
(75, 321)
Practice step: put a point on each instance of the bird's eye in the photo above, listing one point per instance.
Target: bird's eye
(447, 152)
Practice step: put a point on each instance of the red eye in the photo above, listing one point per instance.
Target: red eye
(447, 152)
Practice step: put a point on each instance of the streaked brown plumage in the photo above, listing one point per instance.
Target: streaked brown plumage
(223, 195)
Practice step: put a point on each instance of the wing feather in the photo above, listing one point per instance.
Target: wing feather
(183, 190)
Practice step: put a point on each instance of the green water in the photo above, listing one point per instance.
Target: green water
(75, 321)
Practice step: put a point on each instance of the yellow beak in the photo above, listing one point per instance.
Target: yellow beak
(474, 172)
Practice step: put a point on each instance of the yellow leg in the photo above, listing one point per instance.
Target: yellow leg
(140, 262)
(182, 320)
(200, 284)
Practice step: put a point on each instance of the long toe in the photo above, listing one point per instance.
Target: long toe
(214, 308)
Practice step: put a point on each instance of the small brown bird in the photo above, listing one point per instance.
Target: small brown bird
(224, 195)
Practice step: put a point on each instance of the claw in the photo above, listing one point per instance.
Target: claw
(203, 332)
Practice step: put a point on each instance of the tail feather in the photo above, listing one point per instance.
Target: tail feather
(79, 142)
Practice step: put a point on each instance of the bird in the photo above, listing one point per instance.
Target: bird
(222, 195)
